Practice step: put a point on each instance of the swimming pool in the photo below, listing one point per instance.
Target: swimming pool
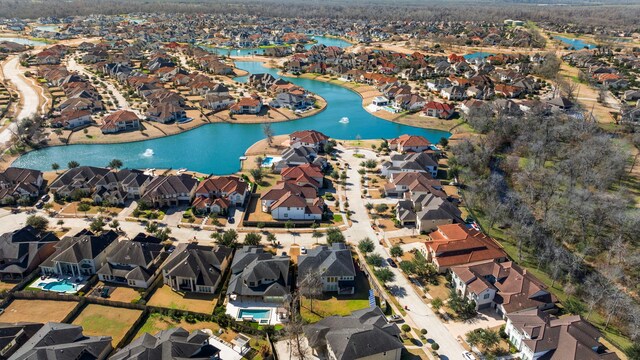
(255, 314)
(269, 160)
(58, 286)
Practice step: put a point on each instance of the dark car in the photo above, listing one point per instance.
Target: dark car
(231, 220)
(39, 205)
(45, 197)
(391, 262)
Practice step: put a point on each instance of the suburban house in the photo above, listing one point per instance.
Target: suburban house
(246, 105)
(438, 110)
(502, 286)
(289, 201)
(71, 119)
(14, 335)
(80, 255)
(80, 179)
(135, 263)
(120, 120)
(23, 250)
(409, 143)
(305, 174)
(538, 335)
(170, 190)
(166, 113)
(365, 334)
(427, 211)
(308, 138)
(196, 268)
(217, 193)
(67, 339)
(258, 280)
(18, 183)
(410, 184)
(455, 244)
(216, 101)
(293, 156)
(175, 343)
(333, 264)
(420, 162)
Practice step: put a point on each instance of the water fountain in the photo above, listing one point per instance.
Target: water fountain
(344, 120)
(148, 153)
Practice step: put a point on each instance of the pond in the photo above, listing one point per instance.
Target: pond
(326, 40)
(574, 44)
(216, 148)
(23, 41)
(476, 55)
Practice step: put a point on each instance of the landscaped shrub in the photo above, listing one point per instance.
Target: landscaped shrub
(435, 346)
(405, 328)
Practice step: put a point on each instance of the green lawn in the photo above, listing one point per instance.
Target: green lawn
(104, 320)
(331, 304)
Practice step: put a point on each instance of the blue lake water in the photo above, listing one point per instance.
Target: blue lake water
(475, 55)
(23, 41)
(216, 148)
(328, 41)
(575, 44)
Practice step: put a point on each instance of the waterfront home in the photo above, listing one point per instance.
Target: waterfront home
(455, 245)
(82, 179)
(216, 102)
(80, 255)
(170, 190)
(409, 143)
(71, 119)
(166, 113)
(409, 102)
(305, 174)
(196, 268)
(364, 334)
(380, 101)
(19, 184)
(294, 156)
(23, 250)
(539, 335)
(438, 110)
(334, 265)
(175, 343)
(259, 280)
(216, 194)
(66, 341)
(502, 286)
(308, 138)
(134, 263)
(422, 162)
(246, 105)
(120, 120)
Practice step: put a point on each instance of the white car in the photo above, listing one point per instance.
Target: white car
(468, 356)
(303, 250)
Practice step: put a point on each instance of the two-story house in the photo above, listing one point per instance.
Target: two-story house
(22, 250)
(135, 263)
(333, 264)
(196, 268)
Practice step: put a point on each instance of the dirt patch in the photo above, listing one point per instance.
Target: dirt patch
(167, 298)
(37, 311)
(408, 239)
(117, 292)
(262, 147)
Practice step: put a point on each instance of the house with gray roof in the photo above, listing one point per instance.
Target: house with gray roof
(80, 179)
(427, 212)
(56, 341)
(13, 336)
(294, 156)
(259, 281)
(334, 265)
(22, 250)
(135, 263)
(176, 343)
(170, 190)
(196, 268)
(365, 334)
(80, 255)
(420, 162)
(18, 183)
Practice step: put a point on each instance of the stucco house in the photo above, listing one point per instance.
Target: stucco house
(333, 264)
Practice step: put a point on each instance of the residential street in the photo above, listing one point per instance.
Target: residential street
(419, 315)
(117, 96)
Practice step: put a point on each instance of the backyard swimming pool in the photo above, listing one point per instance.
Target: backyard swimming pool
(58, 286)
(255, 314)
(269, 160)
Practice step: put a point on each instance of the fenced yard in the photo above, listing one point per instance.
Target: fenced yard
(36, 311)
(102, 320)
(165, 297)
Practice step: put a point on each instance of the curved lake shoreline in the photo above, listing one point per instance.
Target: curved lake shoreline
(216, 148)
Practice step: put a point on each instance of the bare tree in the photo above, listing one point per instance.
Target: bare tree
(310, 286)
(294, 329)
(268, 133)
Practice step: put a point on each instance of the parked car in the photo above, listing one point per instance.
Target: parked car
(391, 262)
(39, 205)
(45, 197)
(231, 220)
(468, 356)
(303, 250)
(394, 318)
